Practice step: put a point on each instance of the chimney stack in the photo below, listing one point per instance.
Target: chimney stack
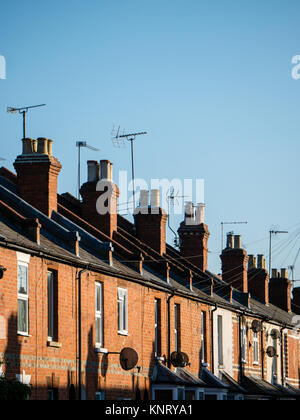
(100, 197)
(194, 234)
(37, 173)
(280, 290)
(258, 278)
(234, 264)
(151, 221)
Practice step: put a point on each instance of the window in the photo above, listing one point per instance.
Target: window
(163, 395)
(255, 348)
(203, 337)
(274, 363)
(220, 341)
(99, 315)
(100, 396)
(285, 355)
(23, 299)
(52, 306)
(157, 327)
(177, 328)
(122, 311)
(244, 344)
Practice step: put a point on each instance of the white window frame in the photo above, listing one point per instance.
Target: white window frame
(24, 297)
(220, 341)
(122, 310)
(157, 326)
(203, 337)
(255, 348)
(244, 343)
(99, 315)
(177, 326)
(50, 322)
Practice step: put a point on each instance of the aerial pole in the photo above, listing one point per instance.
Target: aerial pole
(23, 111)
(117, 140)
(80, 145)
(273, 232)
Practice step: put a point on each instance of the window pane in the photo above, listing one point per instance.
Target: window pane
(22, 316)
(50, 305)
(22, 280)
(125, 313)
(99, 331)
(119, 315)
(220, 340)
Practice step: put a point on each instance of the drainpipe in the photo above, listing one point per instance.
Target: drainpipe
(282, 357)
(169, 328)
(212, 339)
(80, 335)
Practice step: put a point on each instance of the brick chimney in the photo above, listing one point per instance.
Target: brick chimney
(100, 197)
(37, 172)
(258, 278)
(281, 290)
(151, 221)
(234, 264)
(194, 234)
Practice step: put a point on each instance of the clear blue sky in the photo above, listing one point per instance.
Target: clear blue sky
(209, 80)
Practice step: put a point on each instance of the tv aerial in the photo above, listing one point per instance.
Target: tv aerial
(173, 197)
(80, 145)
(23, 111)
(118, 140)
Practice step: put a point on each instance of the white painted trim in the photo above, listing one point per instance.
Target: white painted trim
(23, 258)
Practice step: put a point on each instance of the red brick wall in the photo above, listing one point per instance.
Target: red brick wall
(31, 354)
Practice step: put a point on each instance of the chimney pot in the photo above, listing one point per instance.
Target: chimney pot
(93, 171)
(29, 146)
(155, 198)
(284, 274)
(200, 214)
(252, 262)
(144, 198)
(230, 237)
(237, 242)
(274, 273)
(105, 170)
(42, 146)
(50, 148)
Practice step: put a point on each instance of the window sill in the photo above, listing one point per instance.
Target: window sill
(54, 344)
(24, 334)
(100, 350)
(255, 363)
(125, 333)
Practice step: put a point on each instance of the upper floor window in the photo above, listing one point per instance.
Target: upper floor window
(157, 327)
(255, 348)
(122, 311)
(99, 315)
(244, 343)
(177, 328)
(23, 299)
(52, 291)
(203, 337)
(220, 341)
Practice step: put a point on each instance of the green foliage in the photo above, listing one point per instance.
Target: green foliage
(13, 390)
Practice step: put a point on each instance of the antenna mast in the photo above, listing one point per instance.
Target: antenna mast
(23, 111)
(131, 138)
(81, 144)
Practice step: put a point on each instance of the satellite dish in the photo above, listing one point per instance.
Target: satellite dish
(275, 334)
(179, 359)
(256, 326)
(271, 352)
(128, 358)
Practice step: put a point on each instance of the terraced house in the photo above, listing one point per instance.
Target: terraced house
(95, 307)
